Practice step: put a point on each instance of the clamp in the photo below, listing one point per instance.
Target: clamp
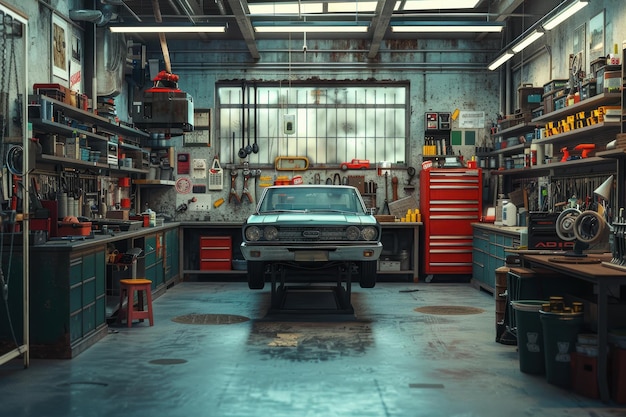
(233, 192)
(246, 176)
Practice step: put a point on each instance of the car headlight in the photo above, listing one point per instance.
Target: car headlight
(353, 233)
(369, 233)
(253, 233)
(270, 233)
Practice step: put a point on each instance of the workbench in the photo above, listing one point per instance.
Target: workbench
(397, 237)
(603, 278)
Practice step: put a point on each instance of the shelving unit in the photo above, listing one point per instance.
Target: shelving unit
(50, 116)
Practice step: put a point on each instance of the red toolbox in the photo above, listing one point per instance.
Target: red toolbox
(451, 201)
(216, 253)
(74, 229)
(55, 91)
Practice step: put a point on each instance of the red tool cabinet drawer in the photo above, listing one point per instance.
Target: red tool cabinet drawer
(216, 253)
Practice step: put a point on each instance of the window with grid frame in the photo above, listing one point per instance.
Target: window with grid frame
(329, 123)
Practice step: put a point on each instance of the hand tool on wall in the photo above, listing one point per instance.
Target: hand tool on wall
(394, 188)
(233, 182)
(246, 177)
(255, 146)
(242, 151)
(386, 205)
(248, 146)
(411, 172)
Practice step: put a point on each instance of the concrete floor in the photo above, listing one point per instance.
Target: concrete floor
(385, 360)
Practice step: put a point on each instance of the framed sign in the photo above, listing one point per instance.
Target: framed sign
(201, 135)
(596, 37)
(59, 47)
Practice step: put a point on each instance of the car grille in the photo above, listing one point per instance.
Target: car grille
(312, 234)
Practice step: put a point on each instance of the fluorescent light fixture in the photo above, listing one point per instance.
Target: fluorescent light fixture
(561, 16)
(527, 41)
(167, 29)
(500, 60)
(310, 27)
(287, 8)
(446, 27)
(439, 4)
(351, 6)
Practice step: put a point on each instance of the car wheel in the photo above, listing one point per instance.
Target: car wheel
(367, 274)
(344, 167)
(256, 275)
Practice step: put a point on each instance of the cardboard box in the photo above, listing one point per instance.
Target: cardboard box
(72, 148)
(389, 266)
(117, 214)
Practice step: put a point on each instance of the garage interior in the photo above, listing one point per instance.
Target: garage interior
(485, 136)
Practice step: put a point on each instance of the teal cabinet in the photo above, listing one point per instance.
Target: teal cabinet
(67, 300)
(171, 261)
(490, 248)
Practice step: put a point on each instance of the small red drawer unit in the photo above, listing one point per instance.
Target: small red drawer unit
(216, 253)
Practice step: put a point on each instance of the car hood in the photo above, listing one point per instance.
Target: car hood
(312, 219)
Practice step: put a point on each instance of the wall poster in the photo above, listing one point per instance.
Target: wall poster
(59, 47)
(596, 37)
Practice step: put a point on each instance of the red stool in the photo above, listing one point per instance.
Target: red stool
(128, 287)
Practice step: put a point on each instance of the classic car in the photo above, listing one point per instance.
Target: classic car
(311, 227)
(355, 164)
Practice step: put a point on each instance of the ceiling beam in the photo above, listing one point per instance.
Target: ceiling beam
(503, 10)
(379, 25)
(245, 26)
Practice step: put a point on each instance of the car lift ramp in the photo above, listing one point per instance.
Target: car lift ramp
(312, 298)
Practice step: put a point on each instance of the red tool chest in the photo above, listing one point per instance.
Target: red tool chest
(450, 201)
(216, 253)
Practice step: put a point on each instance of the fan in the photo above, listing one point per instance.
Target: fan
(586, 228)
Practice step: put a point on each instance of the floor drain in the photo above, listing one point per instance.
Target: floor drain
(83, 384)
(210, 319)
(449, 310)
(168, 361)
(426, 386)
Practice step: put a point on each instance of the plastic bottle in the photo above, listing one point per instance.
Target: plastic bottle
(151, 217)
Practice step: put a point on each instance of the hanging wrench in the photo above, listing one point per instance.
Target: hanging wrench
(246, 177)
(233, 192)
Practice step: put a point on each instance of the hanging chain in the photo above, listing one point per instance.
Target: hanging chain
(13, 67)
(5, 103)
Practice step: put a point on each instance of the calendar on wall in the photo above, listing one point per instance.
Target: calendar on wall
(201, 134)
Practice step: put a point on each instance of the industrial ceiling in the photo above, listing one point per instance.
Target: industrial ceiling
(241, 17)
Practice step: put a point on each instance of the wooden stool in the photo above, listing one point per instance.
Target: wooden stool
(128, 287)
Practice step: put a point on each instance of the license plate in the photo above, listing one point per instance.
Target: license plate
(311, 256)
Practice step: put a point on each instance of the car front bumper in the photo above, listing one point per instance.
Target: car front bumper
(311, 253)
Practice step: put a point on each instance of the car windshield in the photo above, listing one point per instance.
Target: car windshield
(302, 198)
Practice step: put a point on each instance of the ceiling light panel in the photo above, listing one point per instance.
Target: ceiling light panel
(285, 8)
(527, 41)
(439, 4)
(501, 60)
(167, 29)
(564, 14)
(352, 6)
(446, 27)
(309, 27)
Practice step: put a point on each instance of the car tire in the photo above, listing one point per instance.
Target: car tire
(256, 275)
(344, 167)
(367, 274)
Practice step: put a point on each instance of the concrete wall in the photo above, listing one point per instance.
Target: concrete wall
(443, 76)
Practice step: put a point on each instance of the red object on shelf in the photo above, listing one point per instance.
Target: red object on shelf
(216, 253)
(450, 201)
(74, 228)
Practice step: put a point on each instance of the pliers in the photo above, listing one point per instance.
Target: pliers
(233, 192)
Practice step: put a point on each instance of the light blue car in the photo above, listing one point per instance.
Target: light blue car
(311, 227)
